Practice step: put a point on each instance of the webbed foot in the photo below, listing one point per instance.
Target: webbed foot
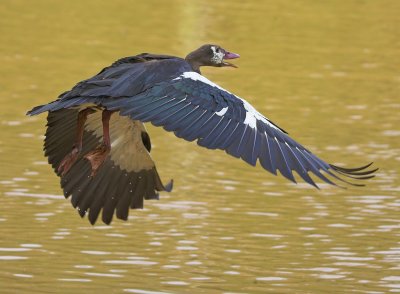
(97, 157)
(68, 161)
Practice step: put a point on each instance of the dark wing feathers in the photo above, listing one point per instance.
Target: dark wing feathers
(112, 188)
(127, 77)
(164, 91)
(196, 109)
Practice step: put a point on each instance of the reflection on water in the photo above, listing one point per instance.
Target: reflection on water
(327, 73)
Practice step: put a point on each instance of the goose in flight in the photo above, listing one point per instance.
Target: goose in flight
(98, 145)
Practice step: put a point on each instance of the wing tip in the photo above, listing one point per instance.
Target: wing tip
(92, 219)
(169, 186)
(34, 111)
(357, 173)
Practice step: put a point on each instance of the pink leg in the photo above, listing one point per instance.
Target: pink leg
(71, 157)
(98, 155)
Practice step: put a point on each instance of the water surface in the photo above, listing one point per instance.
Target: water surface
(327, 72)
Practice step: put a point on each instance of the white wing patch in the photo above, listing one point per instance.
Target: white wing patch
(198, 77)
(252, 115)
(222, 111)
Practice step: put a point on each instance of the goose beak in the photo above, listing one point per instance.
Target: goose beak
(230, 55)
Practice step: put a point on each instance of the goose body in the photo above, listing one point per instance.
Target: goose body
(101, 119)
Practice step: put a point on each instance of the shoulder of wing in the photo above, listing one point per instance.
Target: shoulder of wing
(199, 86)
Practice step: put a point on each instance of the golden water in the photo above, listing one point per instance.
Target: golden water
(326, 71)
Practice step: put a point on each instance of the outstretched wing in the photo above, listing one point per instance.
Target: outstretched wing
(195, 108)
(126, 177)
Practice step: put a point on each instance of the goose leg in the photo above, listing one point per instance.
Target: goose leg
(71, 157)
(98, 155)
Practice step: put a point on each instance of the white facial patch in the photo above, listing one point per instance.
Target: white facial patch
(217, 56)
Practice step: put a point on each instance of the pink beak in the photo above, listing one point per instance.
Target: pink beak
(230, 55)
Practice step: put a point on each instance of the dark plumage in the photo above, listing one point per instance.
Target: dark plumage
(98, 145)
